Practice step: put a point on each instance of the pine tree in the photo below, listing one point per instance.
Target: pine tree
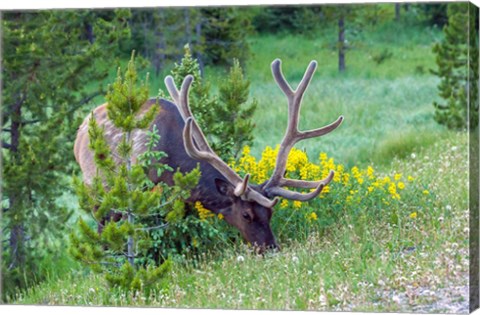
(224, 120)
(474, 64)
(235, 129)
(44, 81)
(123, 187)
(203, 105)
(224, 34)
(452, 62)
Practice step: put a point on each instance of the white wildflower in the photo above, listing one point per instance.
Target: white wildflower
(240, 258)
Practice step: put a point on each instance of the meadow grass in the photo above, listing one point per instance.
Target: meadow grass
(360, 265)
(379, 102)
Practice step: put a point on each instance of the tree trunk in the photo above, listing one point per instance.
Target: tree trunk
(130, 218)
(160, 45)
(146, 47)
(198, 33)
(188, 32)
(89, 33)
(397, 11)
(341, 43)
(16, 241)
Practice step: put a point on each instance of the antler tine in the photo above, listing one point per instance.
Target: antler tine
(180, 97)
(172, 88)
(184, 91)
(293, 135)
(181, 100)
(293, 195)
(280, 78)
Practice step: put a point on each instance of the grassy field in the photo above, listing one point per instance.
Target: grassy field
(366, 264)
(332, 272)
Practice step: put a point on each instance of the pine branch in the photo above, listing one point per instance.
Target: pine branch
(161, 226)
(6, 145)
(82, 102)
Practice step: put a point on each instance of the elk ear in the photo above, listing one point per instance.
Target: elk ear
(224, 188)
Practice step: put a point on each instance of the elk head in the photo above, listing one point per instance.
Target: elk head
(252, 205)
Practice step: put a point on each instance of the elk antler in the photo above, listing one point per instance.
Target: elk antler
(197, 147)
(292, 136)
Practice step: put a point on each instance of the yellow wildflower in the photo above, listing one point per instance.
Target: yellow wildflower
(323, 156)
(312, 217)
(220, 216)
(392, 189)
(370, 171)
(397, 177)
(426, 192)
(269, 158)
(296, 159)
(410, 178)
(401, 185)
(413, 215)
(284, 203)
(297, 204)
(370, 189)
(203, 213)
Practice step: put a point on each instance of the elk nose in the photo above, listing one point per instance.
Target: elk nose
(274, 247)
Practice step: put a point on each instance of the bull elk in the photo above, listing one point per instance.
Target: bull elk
(246, 206)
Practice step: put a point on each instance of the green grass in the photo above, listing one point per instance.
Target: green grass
(377, 101)
(346, 269)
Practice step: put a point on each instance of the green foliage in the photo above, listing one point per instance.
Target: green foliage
(452, 61)
(474, 65)
(125, 194)
(125, 100)
(235, 116)
(305, 20)
(216, 35)
(225, 34)
(226, 120)
(44, 81)
(141, 281)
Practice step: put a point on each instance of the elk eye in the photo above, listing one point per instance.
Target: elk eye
(246, 216)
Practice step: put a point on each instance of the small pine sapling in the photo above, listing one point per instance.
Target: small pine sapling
(226, 120)
(235, 115)
(122, 187)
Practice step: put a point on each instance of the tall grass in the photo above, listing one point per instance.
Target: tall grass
(356, 266)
